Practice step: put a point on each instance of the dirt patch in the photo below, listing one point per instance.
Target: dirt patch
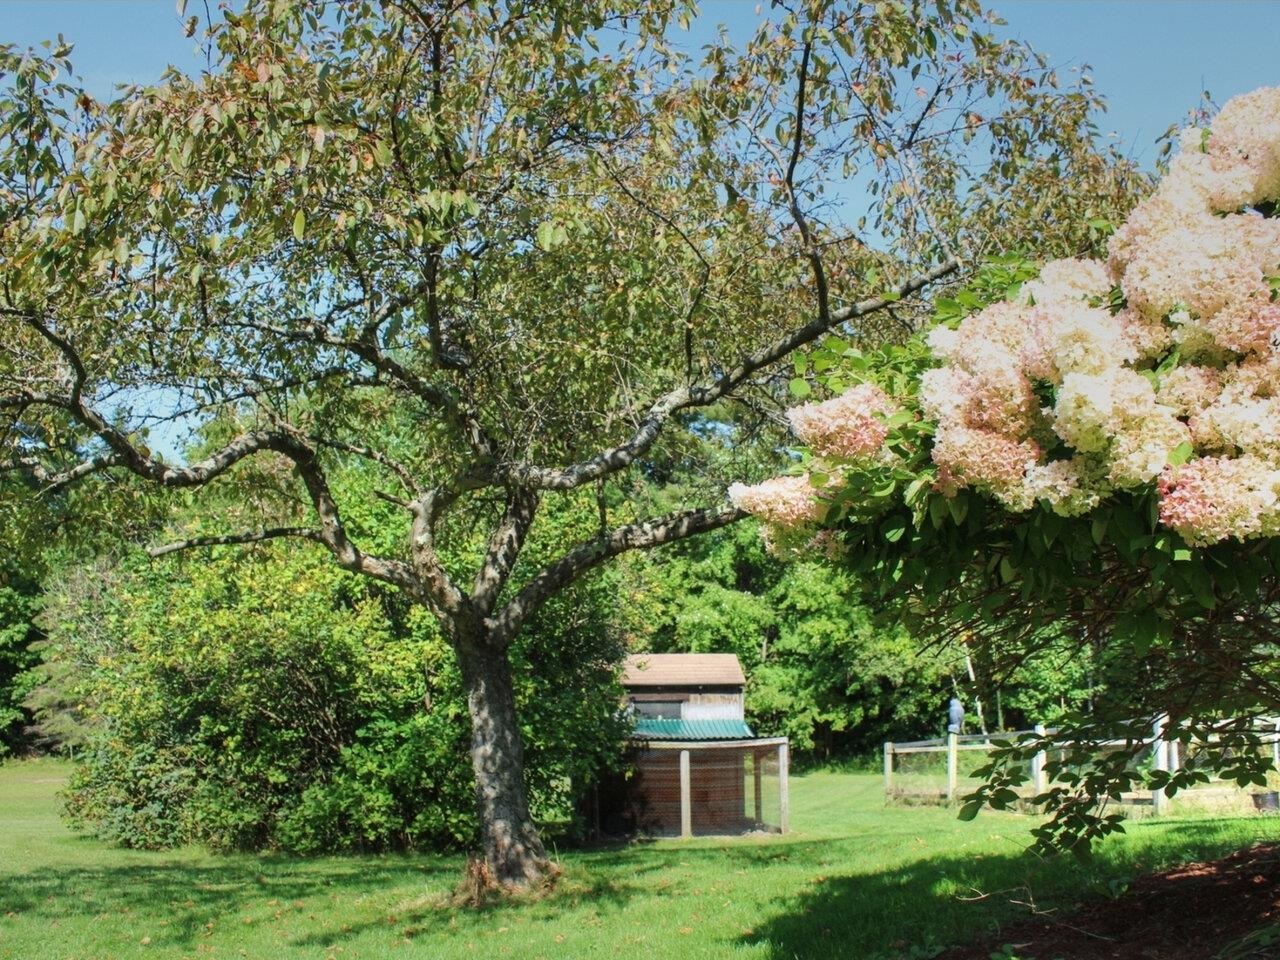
(1227, 909)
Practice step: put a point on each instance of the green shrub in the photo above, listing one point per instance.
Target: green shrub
(268, 700)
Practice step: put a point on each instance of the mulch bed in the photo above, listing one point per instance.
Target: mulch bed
(1193, 912)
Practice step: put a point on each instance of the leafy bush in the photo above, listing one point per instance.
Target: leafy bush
(266, 699)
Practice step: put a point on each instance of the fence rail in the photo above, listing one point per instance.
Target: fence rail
(1165, 754)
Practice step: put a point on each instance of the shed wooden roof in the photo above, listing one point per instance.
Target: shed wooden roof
(682, 670)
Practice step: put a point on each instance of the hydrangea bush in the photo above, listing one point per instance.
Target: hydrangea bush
(1090, 449)
(1156, 366)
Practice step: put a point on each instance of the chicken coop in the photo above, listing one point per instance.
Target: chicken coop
(697, 768)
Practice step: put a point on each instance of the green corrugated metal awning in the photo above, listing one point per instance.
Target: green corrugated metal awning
(652, 728)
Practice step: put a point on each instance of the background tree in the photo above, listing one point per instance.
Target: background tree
(820, 668)
(551, 258)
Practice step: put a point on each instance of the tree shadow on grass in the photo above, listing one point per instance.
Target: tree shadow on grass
(183, 902)
(914, 910)
(594, 878)
(189, 900)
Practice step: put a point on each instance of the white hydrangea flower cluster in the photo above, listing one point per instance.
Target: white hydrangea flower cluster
(785, 501)
(1059, 398)
(1189, 362)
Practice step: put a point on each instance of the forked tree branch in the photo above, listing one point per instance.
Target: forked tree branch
(709, 391)
(504, 548)
(643, 535)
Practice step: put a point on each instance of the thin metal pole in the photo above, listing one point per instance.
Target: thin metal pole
(1038, 782)
(888, 771)
(1159, 801)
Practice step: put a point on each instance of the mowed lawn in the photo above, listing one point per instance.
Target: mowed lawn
(854, 880)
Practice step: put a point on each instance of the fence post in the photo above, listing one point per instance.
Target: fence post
(686, 805)
(1159, 800)
(757, 784)
(1275, 748)
(888, 770)
(1037, 765)
(953, 742)
(784, 787)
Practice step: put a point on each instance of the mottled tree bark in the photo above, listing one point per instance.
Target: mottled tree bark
(513, 853)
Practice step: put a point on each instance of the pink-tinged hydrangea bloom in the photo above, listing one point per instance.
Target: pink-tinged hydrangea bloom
(1141, 448)
(999, 399)
(945, 394)
(1086, 340)
(1191, 358)
(850, 425)
(1239, 420)
(1257, 376)
(1204, 263)
(1248, 324)
(1093, 408)
(993, 333)
(986, 459)
(1063, 282)
(1245, 137)
(786, 501)
(1070, 487)
(1148, 336)
(1216, 498)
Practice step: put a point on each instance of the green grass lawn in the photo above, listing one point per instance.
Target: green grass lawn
(854, 880)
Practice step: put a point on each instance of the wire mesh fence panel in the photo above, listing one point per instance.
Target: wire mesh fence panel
(946, 770)
(766, 802)
(919, 777)
(922, 771)
(730, 790)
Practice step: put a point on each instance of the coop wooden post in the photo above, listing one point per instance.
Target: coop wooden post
(686, 804)
(1275, 749)
(757, 782)
(1159, 800)
(953, 744)
(1037, 765)
(888, 771)
(784, 788)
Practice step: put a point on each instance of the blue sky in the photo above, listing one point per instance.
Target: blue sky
(1151, 58)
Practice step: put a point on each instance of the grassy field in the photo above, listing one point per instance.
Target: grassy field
(854, 880)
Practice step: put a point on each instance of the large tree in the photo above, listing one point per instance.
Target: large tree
(551, 259)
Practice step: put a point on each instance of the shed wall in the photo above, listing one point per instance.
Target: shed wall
(717, 791)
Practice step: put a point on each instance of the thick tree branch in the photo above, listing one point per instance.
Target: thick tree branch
(591, 553)
(252, 536)
(504, 548)
(51, 481)
(123, 452)
(449, 604)
(709, 391)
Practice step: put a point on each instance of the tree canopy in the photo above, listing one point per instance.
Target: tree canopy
(536, 234)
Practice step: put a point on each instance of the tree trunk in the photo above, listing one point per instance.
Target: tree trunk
(513, 853)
